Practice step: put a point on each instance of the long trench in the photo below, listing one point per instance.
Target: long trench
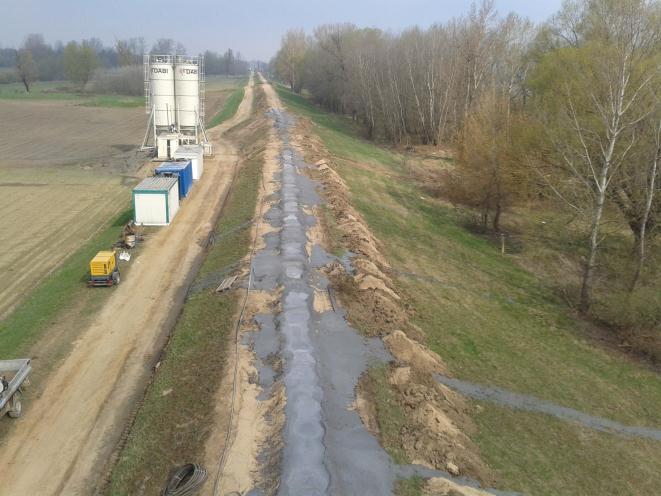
(312, 353)
(326, 449)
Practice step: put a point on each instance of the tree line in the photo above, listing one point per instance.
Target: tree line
(568, 108)
(77, 61)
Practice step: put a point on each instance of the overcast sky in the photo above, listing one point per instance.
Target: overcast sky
(253, 27)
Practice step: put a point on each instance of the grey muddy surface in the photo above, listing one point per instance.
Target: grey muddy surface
(532, 404)
(317, 356)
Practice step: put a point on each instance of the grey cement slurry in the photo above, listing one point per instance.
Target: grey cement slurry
(531, 404)
(317, 356)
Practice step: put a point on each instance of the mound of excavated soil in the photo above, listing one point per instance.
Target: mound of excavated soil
(444, 487)
(438, 424)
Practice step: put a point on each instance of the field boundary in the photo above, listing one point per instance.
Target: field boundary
(230, 106)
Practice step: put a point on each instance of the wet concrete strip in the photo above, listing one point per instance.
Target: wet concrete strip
(531, 404)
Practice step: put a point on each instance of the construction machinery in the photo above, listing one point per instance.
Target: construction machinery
(13, 375)
(104, 270)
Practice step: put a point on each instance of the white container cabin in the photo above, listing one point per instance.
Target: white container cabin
(194, 153)
(155, 201)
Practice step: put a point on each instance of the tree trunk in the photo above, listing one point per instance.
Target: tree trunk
(588, 271)
(649, 198)
(496, 217)
(26, 84)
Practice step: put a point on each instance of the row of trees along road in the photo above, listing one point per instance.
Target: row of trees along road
(570, 107)
(35, 60)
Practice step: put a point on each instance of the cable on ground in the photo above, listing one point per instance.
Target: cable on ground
(186, 480)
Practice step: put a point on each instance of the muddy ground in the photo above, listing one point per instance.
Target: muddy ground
(60, 132)
(304, 422)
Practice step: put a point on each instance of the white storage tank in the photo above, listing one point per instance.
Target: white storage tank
(187, 91)
(194, 153)
(155, 201)
(162, 88)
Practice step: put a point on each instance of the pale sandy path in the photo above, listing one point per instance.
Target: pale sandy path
(62, 443)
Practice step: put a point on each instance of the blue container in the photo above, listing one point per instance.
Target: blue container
(182, 170)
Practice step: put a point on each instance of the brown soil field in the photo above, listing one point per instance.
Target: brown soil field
(64, 132)
(65, 172)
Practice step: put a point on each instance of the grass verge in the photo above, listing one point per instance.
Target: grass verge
(390, 416)
(493, 322)
(177, 414)
(409, 487)
(115, 101)
(62, 90)
(230, 107)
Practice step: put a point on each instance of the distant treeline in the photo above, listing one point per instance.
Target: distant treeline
(36, 60)
(569, 108)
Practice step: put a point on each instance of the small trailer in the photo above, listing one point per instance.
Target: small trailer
(13, 374)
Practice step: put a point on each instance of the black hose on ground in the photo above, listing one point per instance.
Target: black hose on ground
(186, 480)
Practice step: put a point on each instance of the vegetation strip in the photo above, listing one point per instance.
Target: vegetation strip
(230, 107)
(176, 415)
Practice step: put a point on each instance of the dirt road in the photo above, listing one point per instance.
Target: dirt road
(63, 442)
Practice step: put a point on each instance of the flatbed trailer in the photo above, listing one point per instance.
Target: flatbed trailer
(16, 373)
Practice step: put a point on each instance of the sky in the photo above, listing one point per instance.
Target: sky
(253, 27)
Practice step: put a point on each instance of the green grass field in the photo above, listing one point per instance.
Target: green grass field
(493, 322)
(63, 90)
(230, 106)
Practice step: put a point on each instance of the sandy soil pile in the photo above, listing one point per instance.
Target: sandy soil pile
(437, 423)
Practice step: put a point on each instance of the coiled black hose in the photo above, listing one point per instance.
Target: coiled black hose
(186, 480)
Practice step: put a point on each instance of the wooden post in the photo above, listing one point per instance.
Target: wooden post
(502, 244)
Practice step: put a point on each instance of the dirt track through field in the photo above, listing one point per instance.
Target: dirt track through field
(62, 443)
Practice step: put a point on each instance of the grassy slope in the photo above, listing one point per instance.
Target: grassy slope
(22, 328)
(230, 106)
(493, 322)
(174, 420)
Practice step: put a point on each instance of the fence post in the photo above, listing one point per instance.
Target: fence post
(502, 243)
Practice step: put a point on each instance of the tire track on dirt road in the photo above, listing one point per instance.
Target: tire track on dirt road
(67, 434)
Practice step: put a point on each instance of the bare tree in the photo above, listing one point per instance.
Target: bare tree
(289, 60)
(594, 97)
(26, 67)
(650, 195)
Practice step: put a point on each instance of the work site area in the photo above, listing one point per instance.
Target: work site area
(407, 249)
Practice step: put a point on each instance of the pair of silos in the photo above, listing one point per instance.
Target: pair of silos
(175, 93)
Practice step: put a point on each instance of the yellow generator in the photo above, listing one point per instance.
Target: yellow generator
(103, 269)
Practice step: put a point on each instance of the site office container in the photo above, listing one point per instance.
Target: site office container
(181, 170)
(156, 201)
(194, 153)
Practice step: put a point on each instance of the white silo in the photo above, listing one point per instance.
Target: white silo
(174, 97)
(162, 92)
(187, 90)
